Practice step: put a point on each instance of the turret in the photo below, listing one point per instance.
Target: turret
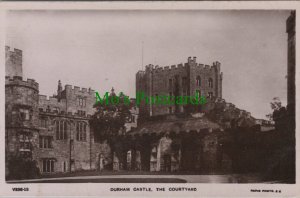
(13, 62)
(112, 92)
(59, 90)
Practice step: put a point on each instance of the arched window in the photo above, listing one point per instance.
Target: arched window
(65, 130)
(210, 82)
(81, 131)
(61, 130)
(198, 81)
(84, 131)
(57, 129)
(77, 131)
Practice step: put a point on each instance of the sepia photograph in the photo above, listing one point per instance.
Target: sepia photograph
(150, 96)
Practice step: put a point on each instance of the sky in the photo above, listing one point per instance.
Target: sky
(103, 49)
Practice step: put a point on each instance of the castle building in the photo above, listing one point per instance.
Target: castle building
(182, 80)
(54, 131)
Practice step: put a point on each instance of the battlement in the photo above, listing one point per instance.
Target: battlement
(78, 90)
(62, 113)
(18, 81)
(51, 99)
(140, 72)
(157, 69)
(15, 51)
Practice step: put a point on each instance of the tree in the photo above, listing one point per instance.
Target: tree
(275, 106)
(110, 117)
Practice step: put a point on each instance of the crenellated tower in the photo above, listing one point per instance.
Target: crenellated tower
(21, 119)
(185, 79)
(13, 62)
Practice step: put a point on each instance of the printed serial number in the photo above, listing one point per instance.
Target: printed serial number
(20, 189)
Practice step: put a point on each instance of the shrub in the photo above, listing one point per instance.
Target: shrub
(22, 168)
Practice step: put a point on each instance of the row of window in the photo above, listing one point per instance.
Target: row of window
(184, 82)
(81, 102)
(210, 82)
(48, 165)
(46, 142)
(198, 92)
(209, 94)
(25, 114)
(62, 128)
(25, 146)
(81, 113)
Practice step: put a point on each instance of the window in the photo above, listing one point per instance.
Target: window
(210, 82)
(184, 85)
(81, 102)
(198, 81)
(24, 114)
(46, 142)
(81, 113)
(24, 142)
(129, 156)
(184, 81)
(56, 109)
(64, 166)
(23, 137)
(61, 129)
(81, 131)
(170, 84)
(43, 122)
(48, 165)
(210, 94)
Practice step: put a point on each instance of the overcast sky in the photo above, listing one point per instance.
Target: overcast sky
(103, 49)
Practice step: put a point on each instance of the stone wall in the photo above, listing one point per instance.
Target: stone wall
(170, 80)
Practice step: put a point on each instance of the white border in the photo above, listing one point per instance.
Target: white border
(103, 189)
